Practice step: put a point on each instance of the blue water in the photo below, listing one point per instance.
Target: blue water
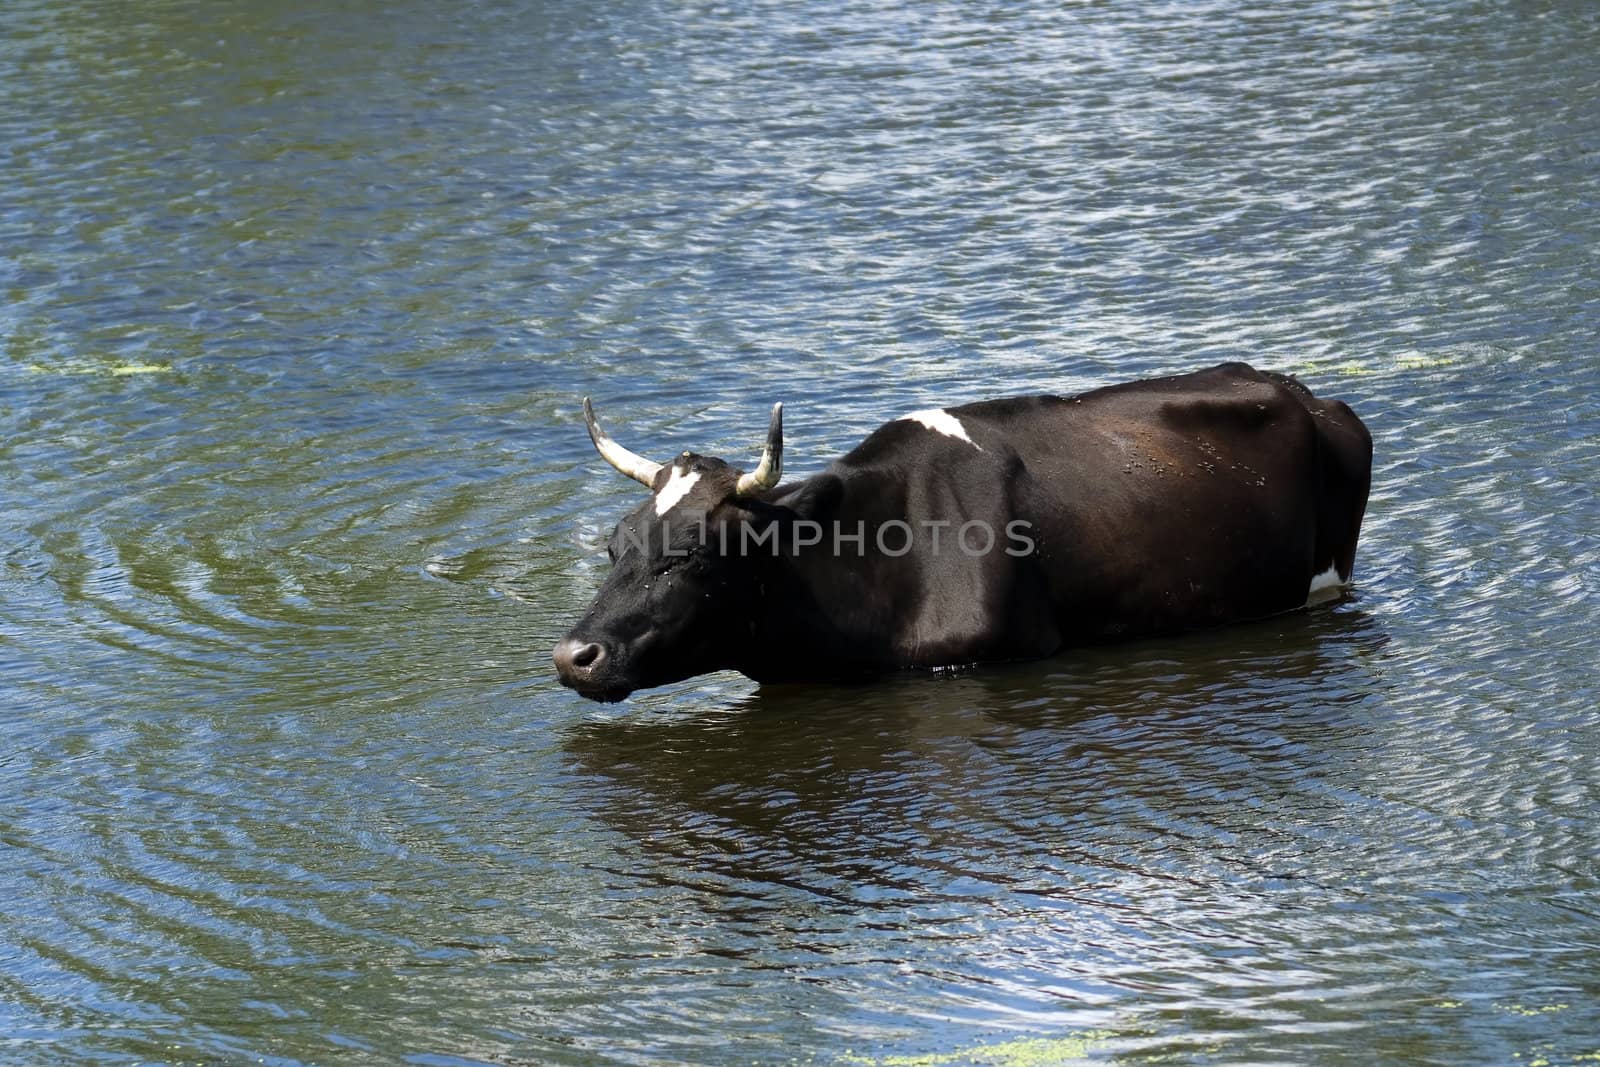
(300, 304)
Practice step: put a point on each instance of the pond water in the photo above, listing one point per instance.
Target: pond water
(301, 301)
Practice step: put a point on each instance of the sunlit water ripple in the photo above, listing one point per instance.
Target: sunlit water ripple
(300, 301)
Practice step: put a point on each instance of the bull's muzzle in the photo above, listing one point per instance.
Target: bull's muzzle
(584, 666)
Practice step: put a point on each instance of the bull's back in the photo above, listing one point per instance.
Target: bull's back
(1183, 502)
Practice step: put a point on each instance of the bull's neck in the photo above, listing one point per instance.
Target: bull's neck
(813, 613)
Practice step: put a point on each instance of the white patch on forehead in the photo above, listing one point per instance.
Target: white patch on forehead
(941, 421)
(677, 487)
(1325, 586)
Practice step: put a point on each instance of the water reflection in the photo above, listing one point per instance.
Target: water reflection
(1111, 810)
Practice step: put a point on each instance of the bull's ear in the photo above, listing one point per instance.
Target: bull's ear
(816, 499)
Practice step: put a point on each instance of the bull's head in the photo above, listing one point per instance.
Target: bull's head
(677, 602)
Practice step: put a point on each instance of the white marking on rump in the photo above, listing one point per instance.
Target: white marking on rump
(677, 487)
(1325, 586)
(941, 421)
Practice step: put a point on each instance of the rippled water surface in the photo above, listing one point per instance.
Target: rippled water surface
(299, 303)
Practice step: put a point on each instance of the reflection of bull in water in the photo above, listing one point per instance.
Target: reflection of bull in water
(1147, 508)
(1151, 759)
(995, 837)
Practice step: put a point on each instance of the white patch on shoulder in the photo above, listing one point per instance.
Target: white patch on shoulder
(1325, 586)
(941, 421)
(677, 487)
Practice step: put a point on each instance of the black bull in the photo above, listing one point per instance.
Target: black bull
(1001, 530)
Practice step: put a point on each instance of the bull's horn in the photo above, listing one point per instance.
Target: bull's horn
(766, 475)
(632, 464)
